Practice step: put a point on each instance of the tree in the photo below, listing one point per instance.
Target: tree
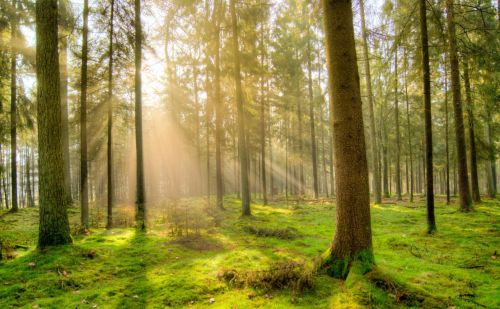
(13, 111)
(352, 240)
(218, 110)
(54, 225)
(140, 194)
(463, 180)
(109, 223)
(429, 192)
(84, 193)
(242, 144)
(373, 134)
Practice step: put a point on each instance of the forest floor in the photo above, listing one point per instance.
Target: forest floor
(457, 267)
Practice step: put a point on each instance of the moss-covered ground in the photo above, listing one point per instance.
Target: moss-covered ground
(457, 267)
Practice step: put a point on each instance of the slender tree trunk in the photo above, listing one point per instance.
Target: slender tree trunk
(63, 62)
(54, 225)
(398, 135)
(446, 137)
(242, 144)
(218, 111)
(84, 193)
(431, 221)
(408, 128)
(352, 240)
(262, 120)
(140, 193)
(476, 197)
(373, 135)
(13, 111)
(311, 117)
(110, 188)
(463, 180)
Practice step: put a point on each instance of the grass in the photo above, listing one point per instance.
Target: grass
(121, 268)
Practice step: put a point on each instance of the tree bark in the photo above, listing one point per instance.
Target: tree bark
(218, 109)
(109, 156)
(476, 197)
(463, 180)
(262, 119)
(84, 193)
(408, 128)
(352, 240)
(140, 194)
(311, 117)
(429, 192)
(398, 135)
(446, 137)
(54, 225)
(242, 144)
(13, 111)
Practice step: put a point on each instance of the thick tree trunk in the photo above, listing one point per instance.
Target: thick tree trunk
(373, 135)
(352, 239)
(242, 144)
(54, 225)
(140, 190)
(13, 112)
(84, 193)
(446, 137)
(429, 192)
(109, 156)
(476, 197)
(463, 180)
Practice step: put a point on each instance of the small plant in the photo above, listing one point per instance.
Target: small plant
(284, 233)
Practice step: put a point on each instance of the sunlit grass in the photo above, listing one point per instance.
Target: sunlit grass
(129, 269)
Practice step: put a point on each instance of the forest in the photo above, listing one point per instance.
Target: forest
(249, 153)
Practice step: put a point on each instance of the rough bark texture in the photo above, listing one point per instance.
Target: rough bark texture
(54, 226)
(13, 112)
(373, 135)
(446, 137)
(463, 180)
(476, 197)
(140, 194)
(84, 188)
(245, 192)
(352, 238)
(429, 192)
(109, 156)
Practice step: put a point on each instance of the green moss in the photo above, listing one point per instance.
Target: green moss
(155, 270)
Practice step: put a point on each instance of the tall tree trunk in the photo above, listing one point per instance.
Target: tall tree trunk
(262, 120)
(54, 225)
(446, 137)
(311, 117)
(352, 238)
(242, 144)
(429, 193)
(140, 194)
(218, 109)
(63, 62)
(463, 180)
(492, 173)
(110, 190)
(84, 188)
(398, 135)
(408, 128)
(373, 135)
(13, 110)
(476, 197)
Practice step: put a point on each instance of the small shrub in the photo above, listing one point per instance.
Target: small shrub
(284, 233)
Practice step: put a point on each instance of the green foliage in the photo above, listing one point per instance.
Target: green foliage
(120, 268)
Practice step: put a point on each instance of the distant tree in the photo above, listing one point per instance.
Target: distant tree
(54, 225)
(84, 193)
(352, 240)
(13, 109)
